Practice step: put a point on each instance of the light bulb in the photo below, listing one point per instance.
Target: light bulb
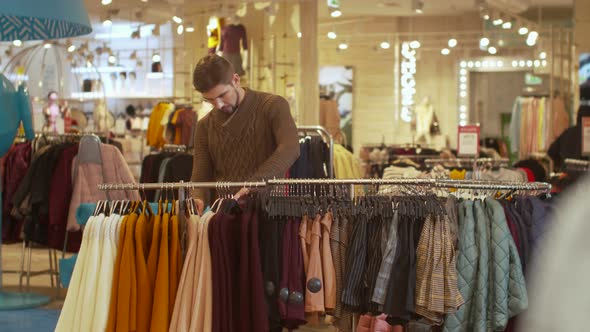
(529, 63)
(415, 44)
(72, 48)
(47, 45)
(514, 63)
(463, 64)
(299, 35)
(112, 59)
(332, 35)
(336, 13)
(452, 42)
(484, 42)
(156, 57)
(107, 22)
(498, 21)
(544, 63)
(533, 34)
(385, 45)
(492, 50)
(500, 64)
(486, 17)
(507, 25)
(537, 63)
(17, 43)
(521, 63)
(523, 31)
(445, 51)
(343, 46)
(180, 29)
(531, 42)
(106, 2)
(463, 71)
(177, 19)
(543, 55)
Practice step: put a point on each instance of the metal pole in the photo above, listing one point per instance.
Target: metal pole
(551, 74)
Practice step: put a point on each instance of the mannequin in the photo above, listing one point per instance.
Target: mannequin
(232, 33)
(424, 115)
(52, 112)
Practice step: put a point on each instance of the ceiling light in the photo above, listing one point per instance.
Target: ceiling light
(47, 45)
(498, 21)
(452, 42)
(107, 22)
(343, 46)
(71, 48)
(537, 63)
(180, 29)
(531, 42)
(144, 0)
(492, 50)
(112, 59)
(544, 63)
(177, 19)
(484, 42)
(418, 6)
(190, 28)
(299, 35)
(486, 16)
(445, 51)
(543, 55)
(514, 63)
(17, 43)
(336, 13)
(507, 25)
(523, 31)
(156, 57)
(501, 42)
(385, 45)
(106, 2)
(332, 35)
(415, 44)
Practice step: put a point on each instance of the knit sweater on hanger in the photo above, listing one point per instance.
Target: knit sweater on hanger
(257, 141)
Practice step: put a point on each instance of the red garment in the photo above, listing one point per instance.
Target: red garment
(292, 277)
(186, 120)
(231, 35)
(529, 173)
(238, 295)
(17, 162)
(59, 203)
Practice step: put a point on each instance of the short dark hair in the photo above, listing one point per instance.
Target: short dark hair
(211, 71)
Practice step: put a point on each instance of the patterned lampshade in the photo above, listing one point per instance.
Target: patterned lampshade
(43, 19)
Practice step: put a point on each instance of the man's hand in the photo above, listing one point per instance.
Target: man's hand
(243, 192)
(200, 206)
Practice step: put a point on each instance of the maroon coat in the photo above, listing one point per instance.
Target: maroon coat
(17, 163)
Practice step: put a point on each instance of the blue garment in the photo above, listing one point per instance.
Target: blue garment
(86, 210)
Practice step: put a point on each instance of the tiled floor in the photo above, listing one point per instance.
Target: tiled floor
(39, 319)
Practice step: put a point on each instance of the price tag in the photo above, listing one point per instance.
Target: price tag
(468, 140)
(586, 136)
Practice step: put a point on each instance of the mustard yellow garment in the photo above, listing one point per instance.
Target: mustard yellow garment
(458, 174)
(154, 252)
(155, 129)
(144, 295)
(127, 293)
(160, 309)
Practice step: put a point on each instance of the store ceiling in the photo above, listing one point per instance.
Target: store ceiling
(158, 11)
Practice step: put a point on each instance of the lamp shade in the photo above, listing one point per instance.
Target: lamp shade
(43, 19)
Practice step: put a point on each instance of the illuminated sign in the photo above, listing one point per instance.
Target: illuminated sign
(408, 83)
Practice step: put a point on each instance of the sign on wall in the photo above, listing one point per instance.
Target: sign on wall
(468, 140)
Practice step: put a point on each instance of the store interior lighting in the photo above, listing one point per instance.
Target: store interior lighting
(71, 48)
(180, 29)
(532, 38)
(523, 31)
(17, 43)
(112, 59)
(156, 57)
(190, 28)
(492, 50)
(106, 2)
(336, 13)
(415, 44)
(343, 46)
(299, 35)
(47, 45)
(418, 6)
(498, 21)
(385, 45)
(484, 43)
(507, 25)
(445, 51)
(452, 42)
(177, 18)
(543, 55)
(332, 35)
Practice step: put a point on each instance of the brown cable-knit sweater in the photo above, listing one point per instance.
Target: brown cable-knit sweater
(258, 141)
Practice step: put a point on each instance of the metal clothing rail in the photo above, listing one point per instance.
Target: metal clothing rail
(462, 162)
(433, 183)
(174, 148)
(576, 164)
(323, 132)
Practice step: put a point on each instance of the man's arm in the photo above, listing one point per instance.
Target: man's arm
(202, 164)
(285, 133)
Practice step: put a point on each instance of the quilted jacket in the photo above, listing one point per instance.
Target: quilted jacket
(509, 296)
(490, 276)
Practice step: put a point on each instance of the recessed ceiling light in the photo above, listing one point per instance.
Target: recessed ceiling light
(445, 51)
(332, 35)
(452, 42)
(523, 31)
(343, 46)
(385, 45)
(336, 13)
(106, 2)
(492, 50)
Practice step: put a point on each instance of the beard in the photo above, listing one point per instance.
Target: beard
(229, 109)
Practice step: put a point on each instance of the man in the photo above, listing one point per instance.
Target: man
(248, 136)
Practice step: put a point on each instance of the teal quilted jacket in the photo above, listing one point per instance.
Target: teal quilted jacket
(490, 276)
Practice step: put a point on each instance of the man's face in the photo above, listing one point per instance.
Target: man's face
(224, 97)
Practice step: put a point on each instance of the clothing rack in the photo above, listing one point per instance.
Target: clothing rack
(327, 137)
(467, 162)
(576, 164)
(433, 183)
(174, 148)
